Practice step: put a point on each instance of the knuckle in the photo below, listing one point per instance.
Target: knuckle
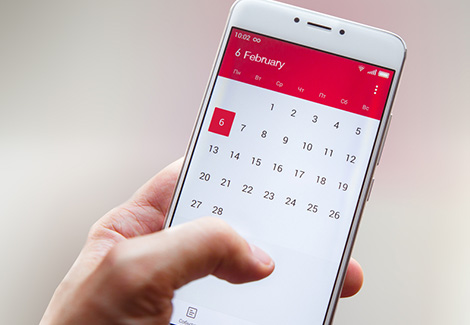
(117, 258)
(121, 267)
(141, 292)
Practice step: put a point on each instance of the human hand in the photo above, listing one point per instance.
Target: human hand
(128, 269)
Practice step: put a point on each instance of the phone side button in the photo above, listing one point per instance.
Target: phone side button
(383, 142)
(370, 189)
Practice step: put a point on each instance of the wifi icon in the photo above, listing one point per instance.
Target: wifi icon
(361, 67)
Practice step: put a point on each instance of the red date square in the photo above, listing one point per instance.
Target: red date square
(222, 121)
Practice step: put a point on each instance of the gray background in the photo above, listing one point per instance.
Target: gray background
(98, 96)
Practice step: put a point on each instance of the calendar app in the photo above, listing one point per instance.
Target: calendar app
(281, 155)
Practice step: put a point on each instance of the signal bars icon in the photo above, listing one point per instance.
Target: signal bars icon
(382, 74)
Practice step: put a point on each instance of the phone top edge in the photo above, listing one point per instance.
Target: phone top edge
(361, 42)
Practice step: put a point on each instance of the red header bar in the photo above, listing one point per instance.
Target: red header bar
(305, 73)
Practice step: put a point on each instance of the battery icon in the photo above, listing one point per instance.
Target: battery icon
(384, 74)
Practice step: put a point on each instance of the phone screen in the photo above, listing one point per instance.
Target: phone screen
(281, 155)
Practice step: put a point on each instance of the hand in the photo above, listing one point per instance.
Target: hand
(128, 269)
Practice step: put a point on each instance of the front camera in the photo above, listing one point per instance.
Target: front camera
(296, 19)
(342, 31)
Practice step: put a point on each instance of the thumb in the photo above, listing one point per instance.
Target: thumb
(193, 250)
(209, 246)
(145, 271)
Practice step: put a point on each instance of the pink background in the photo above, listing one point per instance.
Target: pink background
(97, 96)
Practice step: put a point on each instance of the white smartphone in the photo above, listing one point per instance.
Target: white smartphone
(284, 150)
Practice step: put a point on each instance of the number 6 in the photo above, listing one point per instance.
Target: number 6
(221, 122)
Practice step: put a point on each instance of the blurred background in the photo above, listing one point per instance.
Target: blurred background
(98, 96)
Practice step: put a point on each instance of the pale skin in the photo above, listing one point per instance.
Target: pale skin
(129, 267)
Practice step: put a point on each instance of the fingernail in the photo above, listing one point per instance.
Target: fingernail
(261, 255)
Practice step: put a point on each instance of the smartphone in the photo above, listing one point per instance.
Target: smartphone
(284, 149)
